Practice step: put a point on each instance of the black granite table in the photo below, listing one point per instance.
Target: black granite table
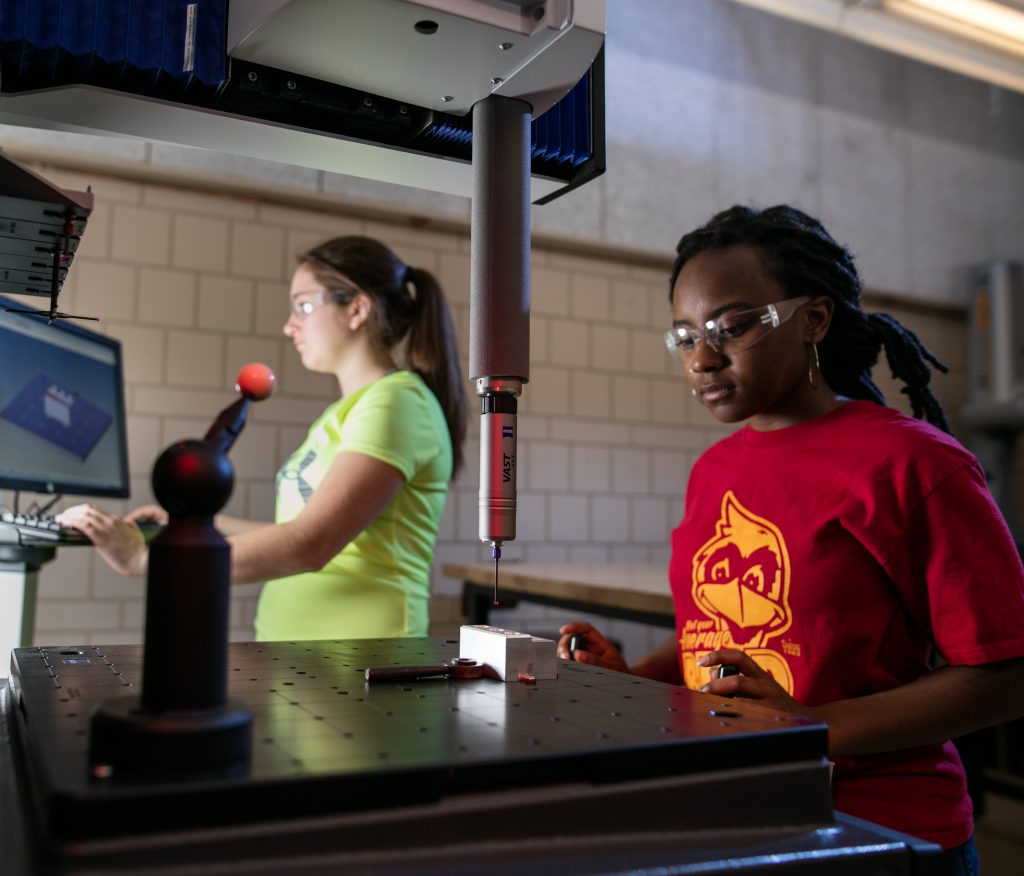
(588, 772)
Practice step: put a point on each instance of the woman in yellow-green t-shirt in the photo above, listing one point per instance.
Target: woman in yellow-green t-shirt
(359, 503)
(377, 584)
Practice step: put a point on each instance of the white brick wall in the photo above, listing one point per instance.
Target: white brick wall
(166, 297)
(195, 285)
(200, 243)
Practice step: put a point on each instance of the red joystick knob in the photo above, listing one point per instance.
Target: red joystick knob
(256, 381)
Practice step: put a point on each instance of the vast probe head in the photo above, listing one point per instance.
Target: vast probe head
(499, 354)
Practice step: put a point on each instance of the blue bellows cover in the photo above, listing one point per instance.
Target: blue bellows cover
(167, 48)
(560, 139)
(176, 50)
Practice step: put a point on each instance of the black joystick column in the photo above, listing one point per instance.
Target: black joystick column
(183, 722)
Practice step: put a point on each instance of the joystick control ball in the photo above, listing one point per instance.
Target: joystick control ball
(256, 381)
(192, 479)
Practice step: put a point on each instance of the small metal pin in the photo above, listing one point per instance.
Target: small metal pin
(496, 554)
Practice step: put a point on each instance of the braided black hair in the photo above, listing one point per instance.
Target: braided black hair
(804, 259)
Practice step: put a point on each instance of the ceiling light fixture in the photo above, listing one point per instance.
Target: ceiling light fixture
(993, 23)
(983, 39)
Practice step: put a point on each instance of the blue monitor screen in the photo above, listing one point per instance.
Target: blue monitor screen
(62, 421)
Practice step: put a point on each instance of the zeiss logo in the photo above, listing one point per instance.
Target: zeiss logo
(506, 432)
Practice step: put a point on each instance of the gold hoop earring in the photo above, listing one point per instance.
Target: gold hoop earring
(814, 367)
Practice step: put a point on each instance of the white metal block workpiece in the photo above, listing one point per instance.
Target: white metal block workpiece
(510, 655)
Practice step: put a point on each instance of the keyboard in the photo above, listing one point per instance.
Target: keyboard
(28, 529)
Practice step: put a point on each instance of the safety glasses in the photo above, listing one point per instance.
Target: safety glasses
(732, 332)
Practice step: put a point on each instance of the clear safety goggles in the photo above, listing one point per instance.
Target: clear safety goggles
(732, 332)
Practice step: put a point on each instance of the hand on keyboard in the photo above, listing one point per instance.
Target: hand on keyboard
(27, 529)
(120, 542)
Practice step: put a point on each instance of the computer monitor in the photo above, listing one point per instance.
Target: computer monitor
(62, 415)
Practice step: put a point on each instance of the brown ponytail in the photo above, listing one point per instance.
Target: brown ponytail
(433, 354)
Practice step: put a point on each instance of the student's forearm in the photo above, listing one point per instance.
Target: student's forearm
(946, 703)
(662, 664)
(272, 551)
(355, 491)
(229, 525)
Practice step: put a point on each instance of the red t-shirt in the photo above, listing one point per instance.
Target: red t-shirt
(838, 553)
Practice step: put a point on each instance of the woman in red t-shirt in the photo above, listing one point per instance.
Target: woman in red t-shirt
(832, 548)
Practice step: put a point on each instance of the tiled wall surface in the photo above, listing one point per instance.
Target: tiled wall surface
(194, 285)
(917, 170)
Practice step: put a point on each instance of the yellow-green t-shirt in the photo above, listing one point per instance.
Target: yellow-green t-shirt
(378, 585)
